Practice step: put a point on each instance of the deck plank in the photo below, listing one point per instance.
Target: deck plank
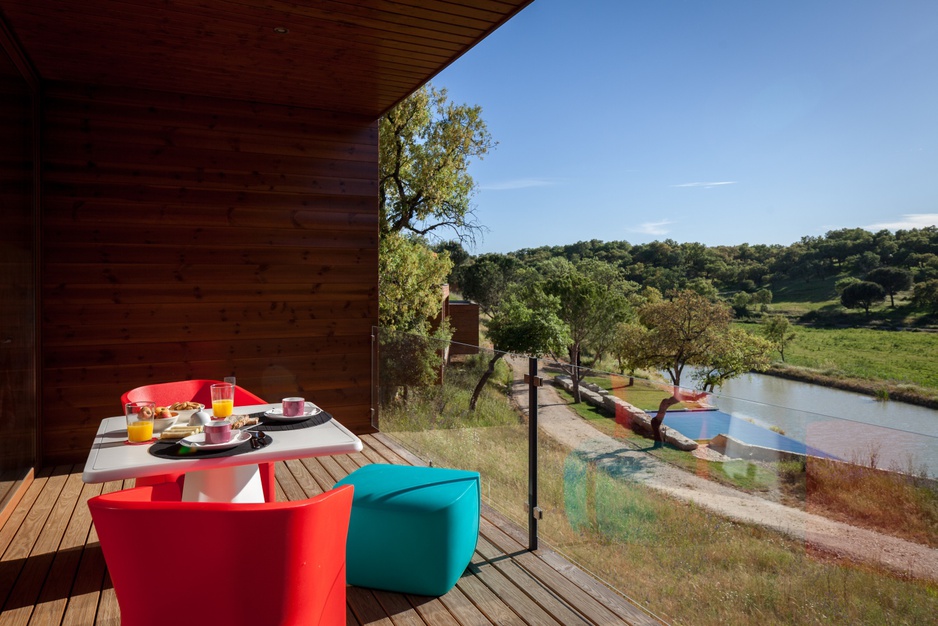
(53, 598)
(53, 570)
(91, 577)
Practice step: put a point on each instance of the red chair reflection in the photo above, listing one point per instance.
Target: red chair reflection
(198, 390)
(265, 563)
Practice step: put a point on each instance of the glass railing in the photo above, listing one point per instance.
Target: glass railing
(739, 514)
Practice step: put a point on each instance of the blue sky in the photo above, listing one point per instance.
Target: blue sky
(718, 121)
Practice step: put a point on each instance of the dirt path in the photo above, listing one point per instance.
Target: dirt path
(566, 427)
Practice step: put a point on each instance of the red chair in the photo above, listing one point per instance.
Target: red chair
(267, 563)
(199, 390)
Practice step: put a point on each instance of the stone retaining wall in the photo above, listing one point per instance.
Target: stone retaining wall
(625, 413)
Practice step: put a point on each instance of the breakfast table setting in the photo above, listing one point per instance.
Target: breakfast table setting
(218, 450)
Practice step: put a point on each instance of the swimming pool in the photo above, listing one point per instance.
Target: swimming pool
(707, 424)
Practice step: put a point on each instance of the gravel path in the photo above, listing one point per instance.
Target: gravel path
(843, 540)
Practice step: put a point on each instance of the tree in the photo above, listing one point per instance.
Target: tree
(845, 282)
(734, 352)
(425, 147)
(682, 331)
(892, 280)
(515, 327)
(410, 277)
(779, 330)
(590, 300)
(763, 298)
(460, 258)
(487, 278)
(741, 303)
(862, 295)
(925, 296)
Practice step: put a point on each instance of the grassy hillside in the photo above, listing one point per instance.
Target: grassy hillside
(816, 302)
(893, 352)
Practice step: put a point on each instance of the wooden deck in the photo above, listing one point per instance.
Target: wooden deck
(52, 570)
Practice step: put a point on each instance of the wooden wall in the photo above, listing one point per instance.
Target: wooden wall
(464, 318)
(18, 293)
(188, 237)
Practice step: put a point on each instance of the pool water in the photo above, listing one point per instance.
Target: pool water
(703, 425)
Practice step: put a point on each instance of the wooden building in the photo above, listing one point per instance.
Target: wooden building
(190, 191)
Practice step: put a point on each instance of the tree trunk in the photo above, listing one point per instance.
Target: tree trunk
(659, 416)
(574, 352)
(485, 377)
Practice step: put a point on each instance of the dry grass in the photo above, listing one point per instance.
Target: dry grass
(898, 504)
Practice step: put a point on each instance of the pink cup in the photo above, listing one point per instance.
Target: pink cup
(218, 431)
(293, 406)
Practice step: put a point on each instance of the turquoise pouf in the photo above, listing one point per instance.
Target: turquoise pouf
(413, 529)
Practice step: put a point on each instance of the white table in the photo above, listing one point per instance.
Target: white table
(234, 478)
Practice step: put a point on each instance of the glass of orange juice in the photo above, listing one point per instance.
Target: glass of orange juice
(222, 400)
(140, 421)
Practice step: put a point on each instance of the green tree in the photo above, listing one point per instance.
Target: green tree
(675, 333)
(925, 296)
(425, 147)
(741, 303)
(763, 298)
(487, 278)
(862, 295)
(410, 279)
(892, 280)
(845, 282)
(460, 258)
(779, 330)
(517, 328)
(734, 352)
(591, 298)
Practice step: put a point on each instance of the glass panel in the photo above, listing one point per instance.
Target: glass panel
(740, 514)
(423, 393)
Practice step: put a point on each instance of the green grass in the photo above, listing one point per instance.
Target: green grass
(895, 356)
(817, 302)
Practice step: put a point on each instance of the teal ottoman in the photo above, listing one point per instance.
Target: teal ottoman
(412, 529)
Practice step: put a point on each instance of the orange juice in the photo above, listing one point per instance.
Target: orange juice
(141, 430)
(223, 407)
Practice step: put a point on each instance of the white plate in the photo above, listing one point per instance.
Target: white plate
(198, 441)
(276, 413)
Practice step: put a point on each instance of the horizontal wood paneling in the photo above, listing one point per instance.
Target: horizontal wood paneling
(18, 266)
(194, 238)
(355, 56)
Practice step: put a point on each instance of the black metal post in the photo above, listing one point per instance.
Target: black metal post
(533, 510)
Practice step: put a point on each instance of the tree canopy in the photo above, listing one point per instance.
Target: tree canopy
(862, 295)
(425, 146)
(410, 279)
(690, 330)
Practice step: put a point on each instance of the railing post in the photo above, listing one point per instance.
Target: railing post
(534, 512)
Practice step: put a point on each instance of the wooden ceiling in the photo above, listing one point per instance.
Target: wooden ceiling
(355, 56)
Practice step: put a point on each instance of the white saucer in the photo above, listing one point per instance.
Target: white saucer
(276, 413)
(198, 441)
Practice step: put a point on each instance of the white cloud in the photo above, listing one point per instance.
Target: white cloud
(654, 228)
(908, 221)
(518, 183)
(707, 185)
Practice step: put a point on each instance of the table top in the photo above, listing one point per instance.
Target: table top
(112, 458)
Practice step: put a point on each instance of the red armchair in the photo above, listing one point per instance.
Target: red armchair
(199, 390)
(266, 563)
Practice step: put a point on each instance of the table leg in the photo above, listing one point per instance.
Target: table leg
(241, 483)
